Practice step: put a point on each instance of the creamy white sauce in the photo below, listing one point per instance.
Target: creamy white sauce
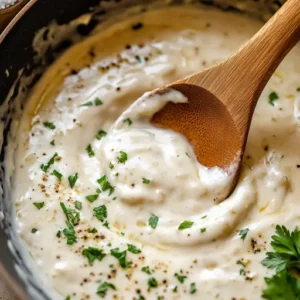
(177, 187)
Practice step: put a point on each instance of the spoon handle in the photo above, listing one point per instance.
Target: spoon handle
(259, 58)
(239, 81)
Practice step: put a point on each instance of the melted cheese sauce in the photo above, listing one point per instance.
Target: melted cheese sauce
(142, 186)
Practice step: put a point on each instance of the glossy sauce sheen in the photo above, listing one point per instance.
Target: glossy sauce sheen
(158, 177)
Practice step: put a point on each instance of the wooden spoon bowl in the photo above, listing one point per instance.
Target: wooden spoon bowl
(221, 100)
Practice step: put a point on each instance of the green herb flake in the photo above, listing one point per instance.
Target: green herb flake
(111, 166)
(92, 254)
(103, 288)
(93, 230)
(71, 214)
(202, 230)
(45, 167)
(39, 205)
(121, 257)
(146, 181)
(298, 89)
(70, 234)
(152, 283)
(272, 98)
(133, 249)
(90, 150)
(146, 270)
(68, 298)
(100, 213)
(52, 143)
(87, 104)
(180, 277)
(123, 157)
(193, 288)
(185, 225)
(58, 234)
(34, 230)
(49, 125)
(138, 58)
(100, 134)
(243, 233)
(106, 224)
(72, 180)
(128, 121)
(105, 185)
(78, 205)
(153, 221)
(240, 262)
(98, 102)
(57, 174)
(92, 198)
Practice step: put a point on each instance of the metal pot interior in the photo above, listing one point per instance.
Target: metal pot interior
(21, 66)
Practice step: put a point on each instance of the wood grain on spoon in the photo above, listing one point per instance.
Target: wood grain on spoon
(221, 100)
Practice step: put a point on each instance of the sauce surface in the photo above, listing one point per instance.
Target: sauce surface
(110, 206)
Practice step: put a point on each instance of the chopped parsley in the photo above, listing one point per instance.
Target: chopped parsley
(49, 125)
(111, 166)
(92, 254)
(128, 121)
(90, 150)
(193, 288)
(88, 104)
(94, 230)
(153, 221)
(138, 58)
(152, 283)
(105, 185)
(137, 26)
(180, 278)
(52, 143)
(45, 167)
(286, 246)
(100, 134)
(57, 174)
(58, 234)
(123, 157)
(121, 257)
(240, 262)
(78, 205)
(69, 233)
(185, 225)
(243, 233)
(146, 181)
(39, 205)
(72, 180)
(298, 89)
(133, 249)
(98, 101)
(34, 230)
(272, 98)
(71, 214)
(202, 230)
(103, 288)
(146, 270)
(92, 198)
(100, 213)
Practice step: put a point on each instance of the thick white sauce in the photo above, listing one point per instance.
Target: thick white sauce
(151, 173)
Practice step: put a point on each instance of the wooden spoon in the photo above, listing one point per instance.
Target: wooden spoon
(221, 100)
